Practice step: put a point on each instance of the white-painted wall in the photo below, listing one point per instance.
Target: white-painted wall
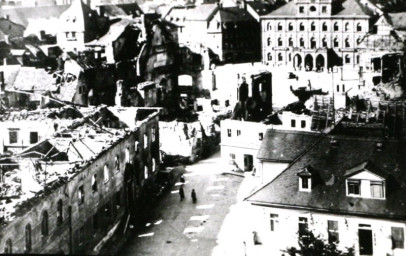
(285, 234)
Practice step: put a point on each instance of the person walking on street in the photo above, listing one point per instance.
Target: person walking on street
(181, 193)
(193, 195)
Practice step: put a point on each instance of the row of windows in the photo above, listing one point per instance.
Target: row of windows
(313, 27)
(8, 249)
(229, 134)
(397, 233)
(347, 59)
(313, 43)
(14, 135)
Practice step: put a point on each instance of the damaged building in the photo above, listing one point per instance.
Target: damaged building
(68, 191)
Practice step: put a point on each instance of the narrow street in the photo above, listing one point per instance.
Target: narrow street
(184, 228)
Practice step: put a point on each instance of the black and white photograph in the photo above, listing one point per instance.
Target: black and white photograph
(203, 127)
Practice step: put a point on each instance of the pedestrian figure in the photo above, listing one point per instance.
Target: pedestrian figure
(193, 195)
(182, 179)
(181, 193)
(257, 241)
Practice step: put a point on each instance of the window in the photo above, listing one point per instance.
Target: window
(343, 86)
(59, 212)
(324, 26)
(301, 42)
(261, 136)
(312, 43)
(33, 137)
(269, 41)
(280, 57)
(136, 147)
(303, 124)
(106, 173)
(353, 187)
(305, 183)
(324, 9)
(377, 189)
(44, 223)
(153, 134)
(332, 229)
(232, 156)
(303, 228)
(324, 42)
(293, 123)
(359, 27)
(229, 132)
(312, 27)
(336, 42)
(338, 88)
(127, 154)
(269, 59)
(347, 59)
(273, 219)
(335, 28)
(28, 241)
(347, 42)
(398, 238)
(358, 58)
(154, 165)
(279, 26)
(301, 9)
(359, 40)
(145, 141)
(301, 26)
(94, 183)
(290, 26)
(13, 135)
(312, 8)
(347, 26)
(290, 42)
(145, 172)
(280, 43)
(117, 163)
(81, 195)
(238, 132)
(269, 26)
(8, 248)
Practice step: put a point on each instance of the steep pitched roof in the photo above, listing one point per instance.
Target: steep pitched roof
(330, 165)
(202, 12)
(285, 146)
(115, 31)
(23, 15)
(231, 14)
(347, 8)
(398, 20)
(32, 79)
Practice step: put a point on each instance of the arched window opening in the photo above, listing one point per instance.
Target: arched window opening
(336, 42)
(28, 241)
(301, 42)
(280, 43)
(145, 172)
(359, 27)
(94, 183)
(324, 26)
(280, 26)
(301, 26)
(106, 173)
(290, 26)
(280, 57)
(347, 43)
(59, 212)
(44, 223)
(347, 26)
(313, 26)
(269, 41)
(290, 42)
(269, 56)
(117, 163)
(335, 26)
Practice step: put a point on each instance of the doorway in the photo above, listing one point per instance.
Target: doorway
(248, 163)
(365, 241)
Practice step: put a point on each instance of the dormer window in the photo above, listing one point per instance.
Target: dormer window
(363, 181)
(354, 187)
(305, 180)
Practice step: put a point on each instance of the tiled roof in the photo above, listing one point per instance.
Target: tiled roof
(23, 15)
(347, 8)
(234, 14)
(285, 146)
(398, 20)
(32, 79)
(122, 10)
(115, 31)
(330, 164)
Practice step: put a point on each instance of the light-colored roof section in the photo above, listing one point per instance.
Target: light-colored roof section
(398, 20)
(177, 15)
(23, 15)
(349, 8)
(115, 31)
(33, 79)
(126, 115)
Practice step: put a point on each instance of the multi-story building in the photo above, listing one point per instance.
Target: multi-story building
(315, 34)
(345, 189)
(74, 188)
